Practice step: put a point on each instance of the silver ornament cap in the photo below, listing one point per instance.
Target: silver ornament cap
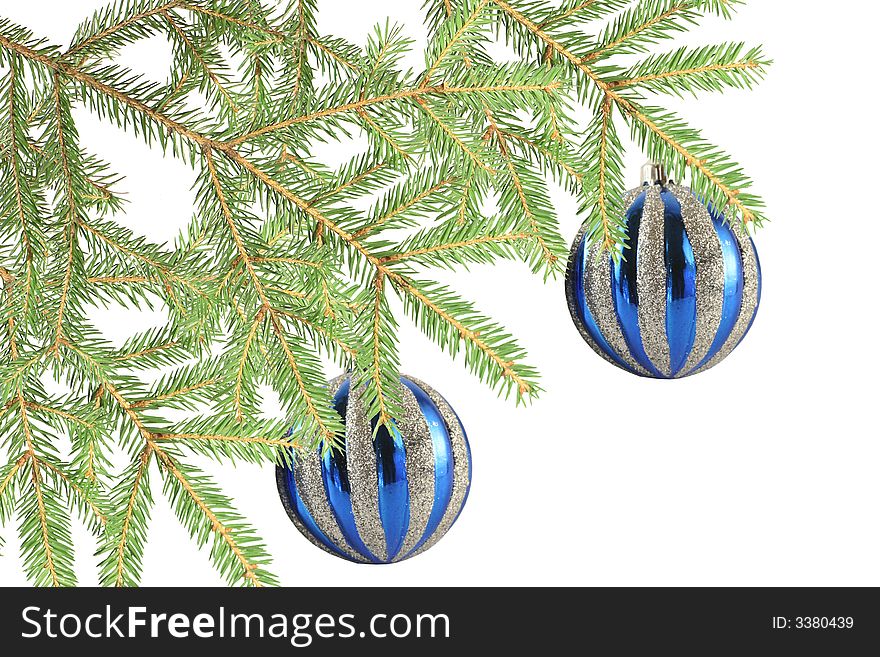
(654, 173)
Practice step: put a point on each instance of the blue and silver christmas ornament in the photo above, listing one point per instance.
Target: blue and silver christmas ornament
(389, 495)
(683, 296)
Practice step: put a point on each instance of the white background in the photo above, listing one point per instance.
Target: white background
(763, 471)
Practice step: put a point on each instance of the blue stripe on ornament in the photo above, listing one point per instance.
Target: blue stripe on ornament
(584, 314)
(733, 286)
(624, 285)
(338, 488)
(760, 291)
(681, 284)
(302, 512)
(393, 488)
(443, 461)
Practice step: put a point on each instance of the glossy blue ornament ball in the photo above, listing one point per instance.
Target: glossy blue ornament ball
(389, 495)
(682, 297)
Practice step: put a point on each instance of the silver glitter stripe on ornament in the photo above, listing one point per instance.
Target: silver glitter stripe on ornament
(709, 260)
(461, 466)
(651, 281)
(281, 479)
(310, 485)
(600, 300)
(751, 296)
(600, 297)
(572, 298)
(363, 476)
(419, 448)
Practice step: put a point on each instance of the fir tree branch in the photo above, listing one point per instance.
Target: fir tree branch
(144, 403)
(648, 17)
(507, 367)
(271, 442)
(454, 39)
(400, 209)
(42, 514)
(712, 68)
(113, 29)
(250, 572)
(384, 134)
(209, 72)
(20, 203)
(334, 54)
(120, 559)
(76, 488)
(451, 246)
(60, 413)
(17, 465)
(416, 94)
(213, 13)
(498, 135)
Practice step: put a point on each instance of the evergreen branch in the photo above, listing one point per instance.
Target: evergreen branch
(71, 214)
(699, 165)
(326, 432)
(502, 358)
(350, 183)
(402, 208)
(581, 10)
(712, 68)
(384, 134)
(76, 488)
(698, 157)
(380, 343)
(165, 272)
(153, 401)
(209, 72)
(524, 199)
(447, 129)
(604, 200)
(302, 165)
(130, 538)
(201, 496)
(213, 13)
(248, 440)
(147, 352)
(243, 254)
(60, 413)
(317, 43)
(550, 42)
(42, 514)
(300, 203)
(455, 246)
(350, 351)
(93, 83)
(242, 365)
(415, 94)
(646, 20)
(252, 573)
(300, 50)
(17, 173)
(453, 40)
(109, 31)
